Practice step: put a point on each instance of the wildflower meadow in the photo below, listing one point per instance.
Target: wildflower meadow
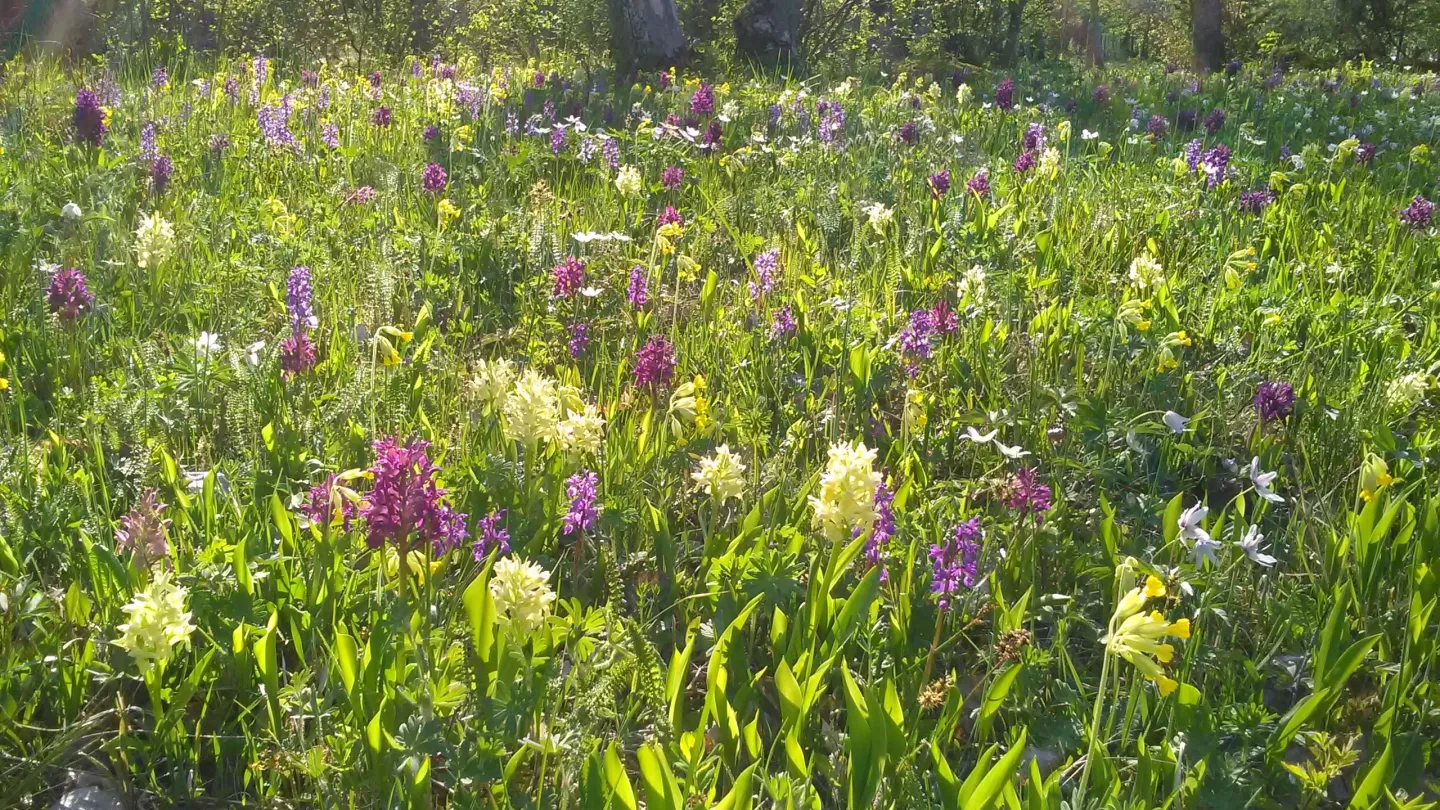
(475, 436)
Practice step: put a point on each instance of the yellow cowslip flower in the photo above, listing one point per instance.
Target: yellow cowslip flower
(1103, 150)
(1346, 148)
(158, 623)
(414, 563)
(1166, 361)
(1177, 339)
(721, 476)
(1420, 154)
(1137, 636)
(1278, 181)
(1374, 476)
(914, 417)
(1062, 130)
(846, 502)
(666, 236)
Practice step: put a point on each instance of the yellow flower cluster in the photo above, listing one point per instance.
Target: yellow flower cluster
(846, 502)
(522, 594)
(1136, 635)
(158, 622)
(722, 475)
(154, 241)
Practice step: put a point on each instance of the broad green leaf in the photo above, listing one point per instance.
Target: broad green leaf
(995, 698)
(995, 780)
(622, 795)
(662, 791)
(739, 797)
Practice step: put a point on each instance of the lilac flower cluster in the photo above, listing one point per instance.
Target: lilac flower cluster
(142, 531)
(580, 489)
(832, 122)
(703, 101)
(979, 185)
(1026, 161)
(298, 295)
(160, 170)
(767, 271)
(1274, 401)
(566, 277)
(1155, 128)
(883, 530)
(783, 324)
(1028, 495)
(159, 78)
(148, 148)
(89, 118)
(669, 217)
(1417, 214)
(330, 135)
(406, 501)
(579, 338)
(1101, 94)
(1365, 154)
(1034, 138)
(909, 134)
(714, 137)
(655, 362)
(274, 122)
(381, 117)
(324, 505)
(297, 354)
(611, 151)
(1215, 121)
(1185, 121)
(68, 295)
(940, 183)
(1215, 163)
(672, 177)
(433, 179)
(492, 535)
(431, 133)
(1193, 151)
(1254, 202)
(637, 291)
(955, 562)
(1005, 95)
(558, 141)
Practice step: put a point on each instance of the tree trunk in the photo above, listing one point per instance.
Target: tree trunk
(1094, 37)
(1206, 36)
(768, 32)
(1012, 32)
(646, 34)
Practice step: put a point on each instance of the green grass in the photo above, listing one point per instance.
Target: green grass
(725, 654)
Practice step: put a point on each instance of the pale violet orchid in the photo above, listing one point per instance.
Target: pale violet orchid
(1175, 422)
(1262, 480)
(1190, 528)
(1251, 545)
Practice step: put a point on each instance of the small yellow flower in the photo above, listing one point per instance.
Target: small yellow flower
(448, 211)
(1154, 588)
